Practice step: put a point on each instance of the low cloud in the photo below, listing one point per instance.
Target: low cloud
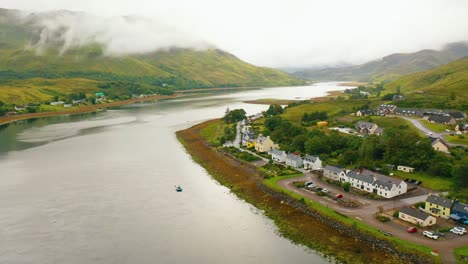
(117, 35)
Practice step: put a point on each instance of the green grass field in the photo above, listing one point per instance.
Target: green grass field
(43, 90)
(437, 127)
(213, 132)
(459, 252)
(428, 181)
(333, 108)
(457, 139)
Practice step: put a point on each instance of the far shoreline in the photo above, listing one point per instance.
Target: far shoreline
(84, 109)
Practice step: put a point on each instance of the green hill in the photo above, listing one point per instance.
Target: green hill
(445, 86)
(390, 67)
(38, 71)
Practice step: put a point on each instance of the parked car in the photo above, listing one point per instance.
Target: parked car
(324, 190)
(339, 196)
(319, 189)
(306, 184)
(462, 229)
(447, 130)
(457, 231)
(430, 235)
(412, 230)
(311, 186)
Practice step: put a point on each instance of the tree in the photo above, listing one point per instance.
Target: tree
(274, 109)
(346, 186)
(55, 98)
(460, 173)
(234, 115)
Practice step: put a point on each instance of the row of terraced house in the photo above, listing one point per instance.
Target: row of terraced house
(366, 180)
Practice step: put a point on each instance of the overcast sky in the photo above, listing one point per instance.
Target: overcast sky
(293, 32)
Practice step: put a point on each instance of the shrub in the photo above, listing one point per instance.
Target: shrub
(396, 214)
(383, 218)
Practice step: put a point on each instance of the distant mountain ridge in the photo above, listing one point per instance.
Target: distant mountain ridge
(390, 67)
(26, 53)
(445, 86)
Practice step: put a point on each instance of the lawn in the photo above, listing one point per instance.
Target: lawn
(428, 181)
(213, 132)
(324, 210)
(457, 139)
(333, 108)
(459, 252)
(437, 127)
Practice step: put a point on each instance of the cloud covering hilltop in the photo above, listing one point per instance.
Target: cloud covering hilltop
(118, 35)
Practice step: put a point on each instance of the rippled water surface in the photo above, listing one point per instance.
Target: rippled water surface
(99, 188)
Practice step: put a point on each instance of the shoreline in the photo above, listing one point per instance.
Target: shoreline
(84, 109)
(328, 96)
(294, 219)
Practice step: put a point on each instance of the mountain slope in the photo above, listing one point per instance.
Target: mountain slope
(25, 54)
(445, 86)
(390, 67)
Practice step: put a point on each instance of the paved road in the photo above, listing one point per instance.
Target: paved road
(366, 213)
(417, 123)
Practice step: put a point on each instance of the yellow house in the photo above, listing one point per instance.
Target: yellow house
(264, 144)
(439, 145)
(250, 143)
(438, 206)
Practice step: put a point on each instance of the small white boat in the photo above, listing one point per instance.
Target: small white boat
(178, 189)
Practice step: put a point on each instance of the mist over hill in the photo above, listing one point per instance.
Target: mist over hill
(129, 50)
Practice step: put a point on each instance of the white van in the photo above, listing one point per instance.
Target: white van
(430, 235)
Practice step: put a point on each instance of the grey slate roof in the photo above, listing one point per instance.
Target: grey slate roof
(361, 177)
(261, 139)
(414, 213)
(436, 140)
(292, 156)
(439, 201)
(440, 119)
(310, 158)
(457, 114)
(379, 130)
(277, 152)
(336, 169)
(460, 207)
(365, 124)
(366, 111)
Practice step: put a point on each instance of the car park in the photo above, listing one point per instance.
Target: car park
(430, 235)
(412, 230)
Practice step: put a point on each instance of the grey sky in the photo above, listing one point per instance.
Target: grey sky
(293, 32)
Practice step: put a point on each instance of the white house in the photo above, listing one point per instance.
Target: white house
(359, 181)
(278, 155)
(333, 172)
(416, 217)
(405, 168)
(312, 162)
(57, 103)
(369, 181)
(294, 160)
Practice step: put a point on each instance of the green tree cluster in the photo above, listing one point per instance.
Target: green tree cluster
(235, 115)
